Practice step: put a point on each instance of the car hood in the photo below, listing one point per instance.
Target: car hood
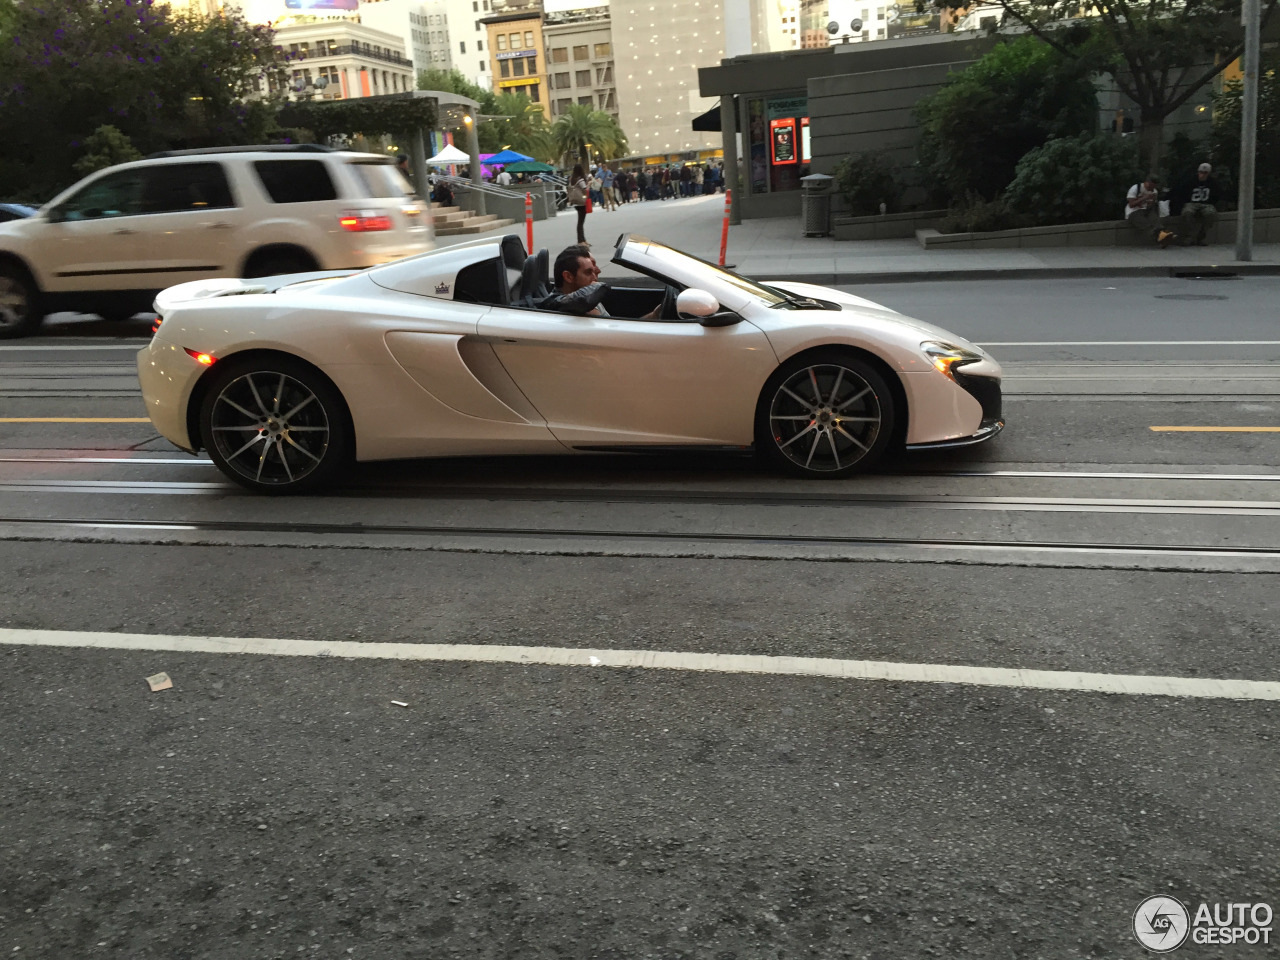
(868, 309)
(227, 287)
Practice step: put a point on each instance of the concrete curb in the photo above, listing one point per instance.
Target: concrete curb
(1035, 273)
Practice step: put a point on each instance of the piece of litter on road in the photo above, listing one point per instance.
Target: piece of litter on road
(399, 703)
(159, 681)
(594, 661)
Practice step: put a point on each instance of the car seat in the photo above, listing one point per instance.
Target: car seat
(534, 287)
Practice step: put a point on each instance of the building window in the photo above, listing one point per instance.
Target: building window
(475, 6)
(604, 75)
(480, 46)
(504, 68)
(502, 41)
(533, 92)
(580, 53)
(560, 55)
(528, 39)
(560, 81)
(582, 78)
(610, 102)
(879, 13)
(587, 101)
(603, 50)
(482, 66)
(517, 66)
(562, 106)
(463, 45)
(515, 42)
(533, 65)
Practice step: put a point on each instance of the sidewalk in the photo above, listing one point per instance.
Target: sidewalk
(775, 249)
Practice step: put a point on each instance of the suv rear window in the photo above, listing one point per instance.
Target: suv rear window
(381, 180)
(295, 181)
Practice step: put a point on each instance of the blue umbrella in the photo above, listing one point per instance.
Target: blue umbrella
(506, 156)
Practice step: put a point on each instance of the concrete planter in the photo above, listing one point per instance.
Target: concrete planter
(889, 226)
(1107, 233)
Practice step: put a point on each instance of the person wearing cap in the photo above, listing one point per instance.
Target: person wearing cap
(1142, 210)
(1195, 201)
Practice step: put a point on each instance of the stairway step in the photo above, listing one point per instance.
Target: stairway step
(476, 225)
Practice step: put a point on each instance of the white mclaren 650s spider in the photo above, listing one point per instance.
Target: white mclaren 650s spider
(468, 350)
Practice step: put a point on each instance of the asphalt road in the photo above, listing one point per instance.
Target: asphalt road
(948, 780)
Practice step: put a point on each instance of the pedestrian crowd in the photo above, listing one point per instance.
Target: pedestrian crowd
(1182, 215)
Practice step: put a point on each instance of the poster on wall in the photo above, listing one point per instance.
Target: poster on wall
(758, 132)
(782, 137)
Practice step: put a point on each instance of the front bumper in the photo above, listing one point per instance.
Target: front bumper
(986, 431)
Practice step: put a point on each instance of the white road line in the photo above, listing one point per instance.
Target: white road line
(1128, 343)
(134, 346)
(1134, 685)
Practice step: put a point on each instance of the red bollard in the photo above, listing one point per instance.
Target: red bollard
(528, 220)
(724, 230)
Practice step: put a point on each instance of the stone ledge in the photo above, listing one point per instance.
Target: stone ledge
(1105, 233)
(889, 226)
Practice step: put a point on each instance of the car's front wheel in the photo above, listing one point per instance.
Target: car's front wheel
(20, 312)
(825, 414)
(275, 425)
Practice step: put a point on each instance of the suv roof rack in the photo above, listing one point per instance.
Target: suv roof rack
(259, 148)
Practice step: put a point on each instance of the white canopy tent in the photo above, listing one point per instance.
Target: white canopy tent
(450, 154)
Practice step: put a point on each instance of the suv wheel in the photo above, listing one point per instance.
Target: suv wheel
(20, 312)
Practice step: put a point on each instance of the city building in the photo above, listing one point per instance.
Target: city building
(468, 39)
(516, 56)
(337, 59)
(421, 27)
(579, 53)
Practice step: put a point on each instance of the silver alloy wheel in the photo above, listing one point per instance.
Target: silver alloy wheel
(270, 427)
(15, 301)
(825, 418)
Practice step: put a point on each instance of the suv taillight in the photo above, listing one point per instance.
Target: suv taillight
(364, 221)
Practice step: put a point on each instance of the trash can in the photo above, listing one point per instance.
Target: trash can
(815, 204)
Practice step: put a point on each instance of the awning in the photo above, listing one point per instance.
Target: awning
(709, 121)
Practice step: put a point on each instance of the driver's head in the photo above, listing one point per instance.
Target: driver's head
(575, 268)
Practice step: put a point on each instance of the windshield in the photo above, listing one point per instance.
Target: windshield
(766, 295)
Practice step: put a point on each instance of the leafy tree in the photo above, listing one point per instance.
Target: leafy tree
(1074, 180)
(162, 79)
(980, 123)
(1225, 137)
(581, 126)
(105, 147)
(1158, 52)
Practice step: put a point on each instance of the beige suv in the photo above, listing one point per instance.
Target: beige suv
(108, 244)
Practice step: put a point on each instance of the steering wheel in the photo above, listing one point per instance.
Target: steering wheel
(668, 309)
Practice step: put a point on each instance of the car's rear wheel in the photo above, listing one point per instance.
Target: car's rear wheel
(826, 414)
(20, 312)
(275, 425)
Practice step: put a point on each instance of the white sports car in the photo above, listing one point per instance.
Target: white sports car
(460, 352)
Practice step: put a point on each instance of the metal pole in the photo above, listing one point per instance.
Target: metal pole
(473, 148)
(1251, 16)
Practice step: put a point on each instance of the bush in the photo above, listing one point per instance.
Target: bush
(1225, 138)
(105, 147)
(867, 180)
(975, 215)
(978, 126)
(1074, 180)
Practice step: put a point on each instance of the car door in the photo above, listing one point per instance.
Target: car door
(192, 221)
(604, 381)
(96, 238)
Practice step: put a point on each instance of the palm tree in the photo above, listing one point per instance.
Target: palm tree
(582, 126)
(526, 129)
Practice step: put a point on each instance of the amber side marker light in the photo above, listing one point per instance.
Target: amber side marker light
(198, 356)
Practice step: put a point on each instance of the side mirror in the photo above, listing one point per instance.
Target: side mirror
(696, 303)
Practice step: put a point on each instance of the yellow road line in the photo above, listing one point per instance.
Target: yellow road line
(75, 419)
(1217, 429)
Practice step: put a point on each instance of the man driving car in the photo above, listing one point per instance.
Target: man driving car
(576, 277)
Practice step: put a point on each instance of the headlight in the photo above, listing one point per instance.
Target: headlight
(945, 356)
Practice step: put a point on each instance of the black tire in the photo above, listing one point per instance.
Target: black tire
(275, 425)
(835, 397)
(20, 310)
(279, 263)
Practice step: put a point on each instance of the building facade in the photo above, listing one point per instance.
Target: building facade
(580, 66)
(421, 27)
(516, 54)
(658, 46)
(469, 40)
(340, 59)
